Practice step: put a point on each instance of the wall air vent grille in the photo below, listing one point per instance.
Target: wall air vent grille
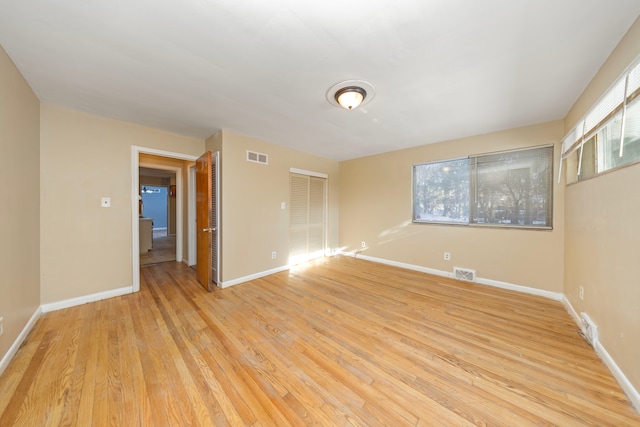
(589, 329)
(254, 157)
(464, 274)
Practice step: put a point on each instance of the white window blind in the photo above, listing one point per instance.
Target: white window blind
(609, 103)
(572, 137)
(614, 100)
(634, 82)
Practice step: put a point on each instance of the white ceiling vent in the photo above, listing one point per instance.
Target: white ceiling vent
(464, 274)
(254, 157)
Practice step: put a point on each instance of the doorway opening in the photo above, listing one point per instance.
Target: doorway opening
(169, 161)
(157, 216)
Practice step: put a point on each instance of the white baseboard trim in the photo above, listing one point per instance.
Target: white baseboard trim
(19, 340)
(617, 373)
(401, 264)
(239, 280)
(59, 305)
(606, 358)
(572, 312)
(556, 296)
(503, 285)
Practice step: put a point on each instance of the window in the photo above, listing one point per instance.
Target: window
(511, 189)
(608, 136)
(441, 192)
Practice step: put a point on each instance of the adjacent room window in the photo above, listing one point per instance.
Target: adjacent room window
(509, 189)
(608, 136)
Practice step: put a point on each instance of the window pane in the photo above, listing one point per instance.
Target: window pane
(589, 159)
(441, 192)
(631, 151)
(608, 137)
(571, 168)
(601, 152)
(513, 188)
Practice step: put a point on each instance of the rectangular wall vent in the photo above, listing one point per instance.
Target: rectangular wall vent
(589, 329)
(464, 274)
(252, 156)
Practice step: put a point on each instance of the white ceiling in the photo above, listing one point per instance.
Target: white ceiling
(442, 69)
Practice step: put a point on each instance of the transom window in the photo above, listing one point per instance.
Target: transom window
(608, 136)
(507, 189)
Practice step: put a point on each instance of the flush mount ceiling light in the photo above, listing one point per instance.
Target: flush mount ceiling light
(351, 94)
(350, 97)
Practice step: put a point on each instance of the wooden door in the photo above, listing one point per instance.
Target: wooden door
(204, 207)
(215, 217)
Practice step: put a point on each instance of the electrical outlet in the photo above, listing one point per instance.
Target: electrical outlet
(1, 325)
(273, 255)
(363, 244)
(581, 292)
(447, 256)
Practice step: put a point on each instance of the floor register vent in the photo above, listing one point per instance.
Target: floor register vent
(464, 274)
(589, 329)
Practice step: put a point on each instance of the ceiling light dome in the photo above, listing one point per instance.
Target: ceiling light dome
(351, 94)
(350, 97)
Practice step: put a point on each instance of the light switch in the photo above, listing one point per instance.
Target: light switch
(105, 202)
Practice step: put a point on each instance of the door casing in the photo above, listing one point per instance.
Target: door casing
(135, 183)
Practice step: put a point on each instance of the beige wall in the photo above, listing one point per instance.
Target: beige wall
(375, 207)
(86, 249)
(19, 202)
(603, 235)
(253, 223)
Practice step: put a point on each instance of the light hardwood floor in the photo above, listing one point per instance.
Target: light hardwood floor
(336, 342)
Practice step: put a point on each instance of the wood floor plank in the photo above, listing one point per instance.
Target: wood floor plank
(335, 342)
(20, 397)
(137, 395)
(382, 371)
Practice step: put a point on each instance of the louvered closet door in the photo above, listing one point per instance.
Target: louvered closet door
(316, 217)
(298, 217)
(307, 217)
